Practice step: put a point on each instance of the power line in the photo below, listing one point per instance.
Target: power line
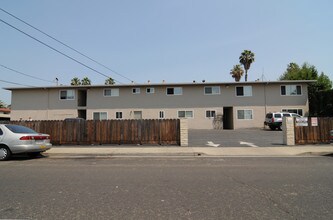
(34, 77)
(69, 57)
(19, 84)
(65, 44)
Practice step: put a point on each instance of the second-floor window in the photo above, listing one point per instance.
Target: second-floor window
(111, 92)
(243, 90)
(67, 94)
(290, 90)
(150, 90)
(212, 90)
(174, 91)
(136, 90)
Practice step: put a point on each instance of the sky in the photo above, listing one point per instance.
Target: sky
(155, 40)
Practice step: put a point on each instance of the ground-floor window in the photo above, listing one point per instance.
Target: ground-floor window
(119, 115)
(161, 115)
(244, 114)
(210, 113)
(185, 114)
(100, 116)
(297, 111)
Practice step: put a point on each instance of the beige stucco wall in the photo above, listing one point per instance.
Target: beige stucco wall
(45, 104)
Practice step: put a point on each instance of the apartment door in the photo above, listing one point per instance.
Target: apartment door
(228, 118)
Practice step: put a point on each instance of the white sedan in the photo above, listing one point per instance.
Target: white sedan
(17, 139)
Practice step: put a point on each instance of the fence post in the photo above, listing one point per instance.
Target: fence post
(183, 133)
(288, 129)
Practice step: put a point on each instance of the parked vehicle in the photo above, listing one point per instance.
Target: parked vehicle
(17, 139)
(274, 119)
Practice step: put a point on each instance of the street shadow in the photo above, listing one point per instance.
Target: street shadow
(23, 157)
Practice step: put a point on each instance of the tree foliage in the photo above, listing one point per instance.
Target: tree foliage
(109, 81)
(322, 86)
(2, 104)
(237, 72)
(75, 81)
(246, 59)
(85, 81)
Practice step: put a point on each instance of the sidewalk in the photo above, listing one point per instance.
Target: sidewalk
(129, 151)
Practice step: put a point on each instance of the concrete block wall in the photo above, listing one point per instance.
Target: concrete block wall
(288, 131)
(183, 132)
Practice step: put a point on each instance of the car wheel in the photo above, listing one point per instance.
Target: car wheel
(4, 153)
(280, 127)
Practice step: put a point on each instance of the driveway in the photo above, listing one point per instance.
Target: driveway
(235, 138)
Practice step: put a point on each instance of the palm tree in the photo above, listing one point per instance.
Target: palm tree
(109, 81)
(75, 81)
(246, 58)
(237, 72)
(85, 81)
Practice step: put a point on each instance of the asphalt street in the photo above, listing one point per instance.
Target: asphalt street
(235, 138)
(173, 188)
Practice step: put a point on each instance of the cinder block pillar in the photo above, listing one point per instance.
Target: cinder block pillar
(288, 131)
(183, 132)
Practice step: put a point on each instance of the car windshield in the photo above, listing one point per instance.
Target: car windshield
(20, 129)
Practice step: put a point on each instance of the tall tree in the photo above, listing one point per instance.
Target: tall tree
(109, 81)
(315, 90)
(85, 81)
(237, 72)
(75, 81)
(246, 58)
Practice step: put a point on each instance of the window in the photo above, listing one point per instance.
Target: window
(297, 111)
(150, 90)
(243, 90)
(67, 94)
(174, 91)
(244, 114)
(212, 90)
(100, 116)
(161, 114)
(290, 90)
(210, 114)
(136, 90)
(111, 92)
(185, 114)
(119, 115)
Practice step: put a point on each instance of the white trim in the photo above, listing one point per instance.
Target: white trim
(210, 111)
(114, 89)
(107, 116)
(136, 90)
(152, 90)
(291, 85)
(159, 114)
(121, 114)
(185, 113)
(166, 90)
(74, 92)
(244, 91)
(252, 114)
(219, 93)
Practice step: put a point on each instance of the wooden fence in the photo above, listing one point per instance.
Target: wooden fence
(313, 131)
(87, 132)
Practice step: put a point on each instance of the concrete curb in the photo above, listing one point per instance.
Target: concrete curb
(187, 151)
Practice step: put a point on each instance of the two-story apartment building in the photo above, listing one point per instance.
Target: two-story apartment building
(227, 105)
